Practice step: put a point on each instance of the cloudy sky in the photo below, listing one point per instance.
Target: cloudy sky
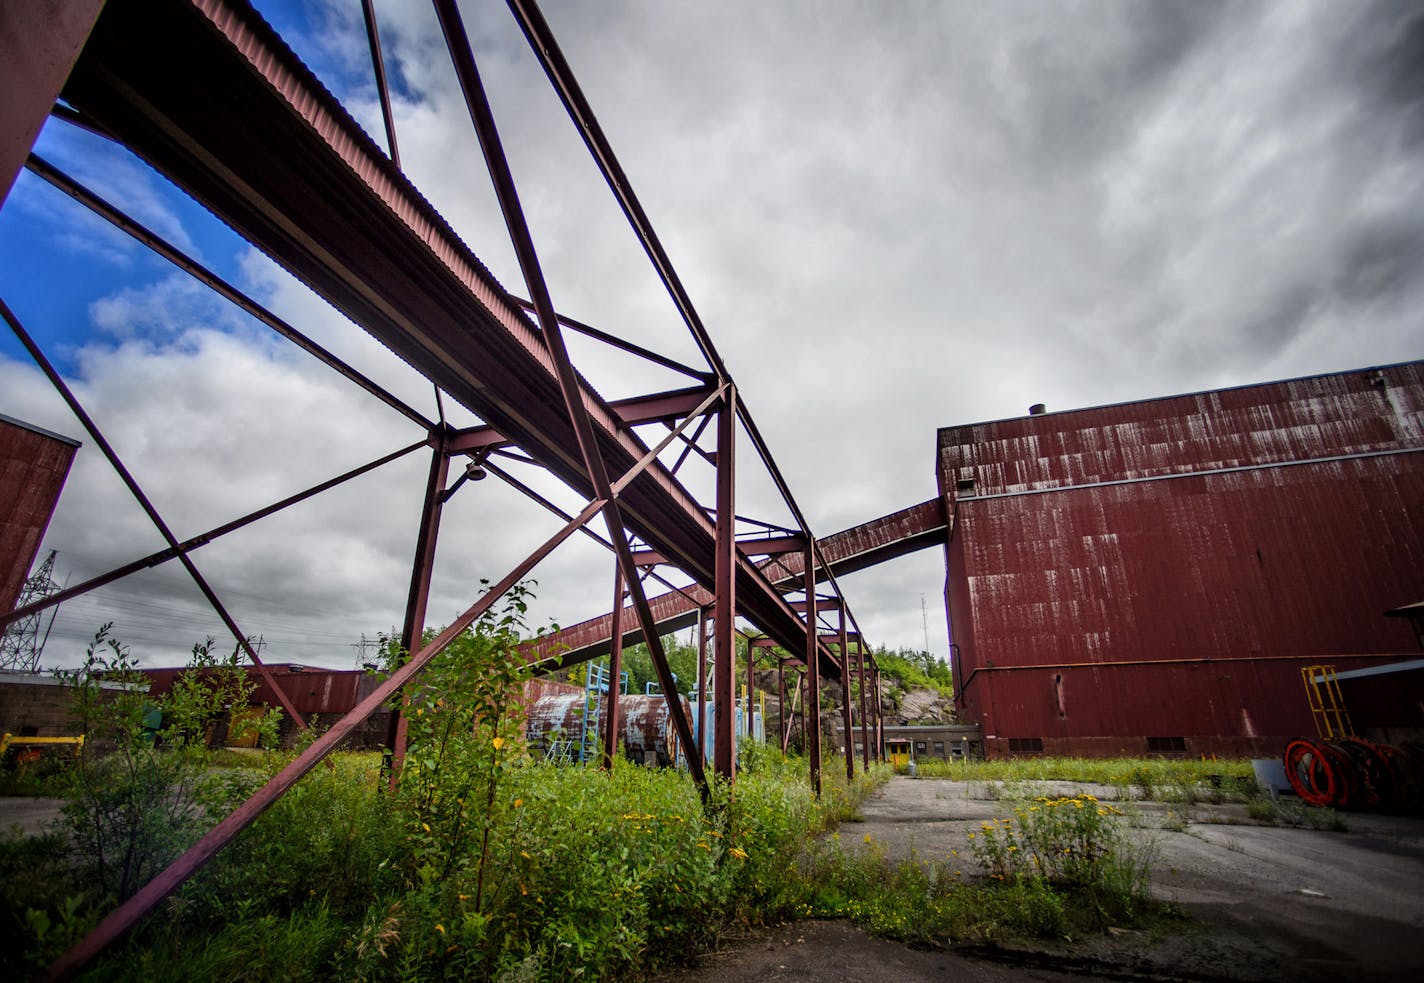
(892, 217)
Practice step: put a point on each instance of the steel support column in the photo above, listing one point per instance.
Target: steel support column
(781, 704)
(845, 698)
(724, 635)
(423, 565)
(702, 683)
(798, 710)
(611, 722)
(880, 721)
(751, 691)
(864, 724)
(813, 676)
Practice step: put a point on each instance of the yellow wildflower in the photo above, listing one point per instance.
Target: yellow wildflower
(738, 852)
(498, 743)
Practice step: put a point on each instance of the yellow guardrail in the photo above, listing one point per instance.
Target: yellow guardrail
(31, 748)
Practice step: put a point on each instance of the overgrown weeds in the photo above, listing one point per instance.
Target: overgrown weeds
(1183, 780)
(1292, 812)
(1071, 842)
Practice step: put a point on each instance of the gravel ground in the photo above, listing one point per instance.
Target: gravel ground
(1268, 903)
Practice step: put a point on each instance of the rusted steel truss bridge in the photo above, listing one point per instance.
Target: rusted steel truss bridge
(210, 96)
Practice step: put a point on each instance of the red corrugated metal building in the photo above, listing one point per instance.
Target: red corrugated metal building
(33, 466)
(1151, 576)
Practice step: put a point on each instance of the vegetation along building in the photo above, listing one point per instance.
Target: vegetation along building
(1151, 577)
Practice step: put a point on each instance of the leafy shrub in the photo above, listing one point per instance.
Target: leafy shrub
(142, 789)
(1074, 842)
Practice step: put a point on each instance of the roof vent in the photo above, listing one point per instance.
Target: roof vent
(1037, 409)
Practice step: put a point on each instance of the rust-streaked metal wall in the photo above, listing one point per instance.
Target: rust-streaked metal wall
(33, 466)
(1162, 569)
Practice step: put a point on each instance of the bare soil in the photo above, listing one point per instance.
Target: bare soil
(1263, 902)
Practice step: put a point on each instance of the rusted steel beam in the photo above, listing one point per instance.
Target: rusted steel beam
(622, 344)
(200, 540)
(823, 605)
(845, 702)
(615, 669)
(141, 233)
(576, 409)
(701, 683)
(677, 593)
(128, 914)
(795, 708)
(652, 454)
(39, 42)
(551, 57)
(813, 678)
(880, 721)
(724, 741)
(751, 692)
(864, 726)
(119, 467)
(634, 411)
(378, 65)
(690, 445)
(648, 558)
(418, 596)
(772, 545)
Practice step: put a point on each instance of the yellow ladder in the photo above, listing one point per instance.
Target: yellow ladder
(1327, 706)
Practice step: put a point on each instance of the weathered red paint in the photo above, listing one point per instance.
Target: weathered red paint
(33, 466)
(39, 40)
(1165, 567)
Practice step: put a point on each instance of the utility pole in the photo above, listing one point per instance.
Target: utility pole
(361, 647)
(21, 645)
(925, 620)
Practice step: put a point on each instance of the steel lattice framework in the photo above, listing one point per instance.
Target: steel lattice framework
(213, 99)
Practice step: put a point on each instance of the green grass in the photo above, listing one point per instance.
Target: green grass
(1167, 779)
(585, 874)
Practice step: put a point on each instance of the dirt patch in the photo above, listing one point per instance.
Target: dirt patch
(838, 951)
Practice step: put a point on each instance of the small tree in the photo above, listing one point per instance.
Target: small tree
(144, 787)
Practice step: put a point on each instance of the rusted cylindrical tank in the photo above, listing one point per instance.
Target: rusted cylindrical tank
(645, 726)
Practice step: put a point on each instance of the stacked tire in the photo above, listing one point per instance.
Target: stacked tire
(1354, 774)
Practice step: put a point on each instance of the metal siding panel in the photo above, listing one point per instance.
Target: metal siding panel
(33, 469)
(1291, 561)
(1348, 413)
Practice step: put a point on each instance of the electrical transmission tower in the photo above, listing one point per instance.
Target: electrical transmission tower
(21, 645)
